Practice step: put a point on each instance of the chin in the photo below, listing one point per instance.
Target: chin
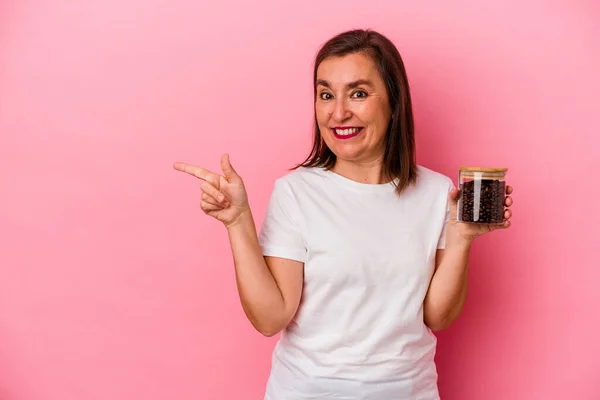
(347, 154)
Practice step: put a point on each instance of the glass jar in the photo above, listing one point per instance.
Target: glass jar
(482, 195)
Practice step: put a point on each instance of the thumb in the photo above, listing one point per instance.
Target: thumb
(453, 197)
(227, 168)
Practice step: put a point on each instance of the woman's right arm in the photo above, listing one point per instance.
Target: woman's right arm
(269, 287)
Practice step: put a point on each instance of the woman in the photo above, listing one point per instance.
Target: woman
(359, 257)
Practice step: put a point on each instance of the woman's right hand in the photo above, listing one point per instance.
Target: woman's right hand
(224, 196)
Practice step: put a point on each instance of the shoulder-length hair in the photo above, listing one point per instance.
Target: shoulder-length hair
(399, 162)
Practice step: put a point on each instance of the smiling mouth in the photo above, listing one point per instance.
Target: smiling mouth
(346, 132)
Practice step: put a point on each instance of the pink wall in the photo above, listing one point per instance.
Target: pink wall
(113, 284)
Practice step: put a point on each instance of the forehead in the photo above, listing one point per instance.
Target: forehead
(348, 68)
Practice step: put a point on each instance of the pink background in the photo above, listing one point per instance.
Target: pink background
(114, 285)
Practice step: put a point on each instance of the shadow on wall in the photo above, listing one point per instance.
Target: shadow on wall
(470, 346)
(11, 371)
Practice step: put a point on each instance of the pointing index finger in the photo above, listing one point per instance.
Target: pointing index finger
(194, 170)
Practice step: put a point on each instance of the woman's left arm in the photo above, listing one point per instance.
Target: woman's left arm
(448, 288)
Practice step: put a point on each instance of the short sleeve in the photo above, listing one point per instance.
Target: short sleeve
(442, 239)
(280, 233)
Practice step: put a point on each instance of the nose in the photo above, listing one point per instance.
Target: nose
(341, 111)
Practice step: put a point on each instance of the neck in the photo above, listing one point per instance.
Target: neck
(369, 172)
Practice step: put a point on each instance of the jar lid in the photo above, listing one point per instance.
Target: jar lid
(482, 169)
(482, 173)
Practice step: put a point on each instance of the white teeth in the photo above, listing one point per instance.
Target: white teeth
(348, 131)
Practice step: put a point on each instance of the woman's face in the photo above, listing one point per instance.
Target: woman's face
(352, 108)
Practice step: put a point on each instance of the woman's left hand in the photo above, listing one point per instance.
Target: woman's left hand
(470, 231)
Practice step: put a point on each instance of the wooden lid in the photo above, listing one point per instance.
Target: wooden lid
(482, 173)
(482, 169)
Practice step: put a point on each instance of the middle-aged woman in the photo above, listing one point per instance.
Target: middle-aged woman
(360, 256)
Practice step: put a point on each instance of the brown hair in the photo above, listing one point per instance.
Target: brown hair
(399, 160)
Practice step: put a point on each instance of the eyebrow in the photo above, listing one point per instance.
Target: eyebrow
(350, 85)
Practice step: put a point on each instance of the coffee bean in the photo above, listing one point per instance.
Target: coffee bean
(490, 207)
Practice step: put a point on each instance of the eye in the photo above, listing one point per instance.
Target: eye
(325, 96)
(359, 94)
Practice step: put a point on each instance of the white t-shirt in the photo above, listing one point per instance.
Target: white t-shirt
(369, 256)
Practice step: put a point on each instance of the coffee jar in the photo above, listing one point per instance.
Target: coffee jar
(482, 195)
